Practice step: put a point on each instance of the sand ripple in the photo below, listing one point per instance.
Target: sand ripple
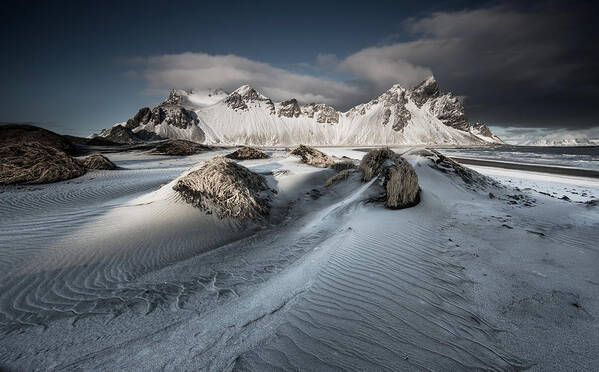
(387, 300)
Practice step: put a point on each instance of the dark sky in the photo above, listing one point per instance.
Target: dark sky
(77, 67)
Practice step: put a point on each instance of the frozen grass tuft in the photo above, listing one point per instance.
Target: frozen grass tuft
(226, 188)
(401, 186)
(247, 153)
(341, 176)
(343, 165)
(373, 162)
(180, 148)
(312, 156)
(399, 177)
(98, 161)
(35, 163)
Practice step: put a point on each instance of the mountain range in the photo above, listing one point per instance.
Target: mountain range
(399, 116)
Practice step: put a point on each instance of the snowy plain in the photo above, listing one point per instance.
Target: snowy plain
(113, 271)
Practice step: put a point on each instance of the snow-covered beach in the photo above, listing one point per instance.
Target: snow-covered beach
(114, 271)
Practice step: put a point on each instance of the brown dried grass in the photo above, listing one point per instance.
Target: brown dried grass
(98, 161)
(401, 186)
(343, 165)
(341, 176)
(247, 153)
(373, 162)
(312, 156)
(36, 163)
(227, 188)
(180, 148)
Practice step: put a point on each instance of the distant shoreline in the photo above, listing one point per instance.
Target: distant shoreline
(577, 172)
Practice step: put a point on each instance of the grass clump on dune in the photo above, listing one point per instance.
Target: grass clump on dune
(401, 186)
(226, 188)
(312, 156)
(180, 148)
(98, 161)
(400, 181)
(341, 176)
(343, 165)
(247, 153)
(374, 161)
(36, 163)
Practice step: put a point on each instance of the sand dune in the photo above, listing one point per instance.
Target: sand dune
(120, 273)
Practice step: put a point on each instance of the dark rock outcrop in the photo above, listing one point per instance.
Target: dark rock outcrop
(240, 98)
(395, 111)
(451, 112)
(36, 163)
(169, 112)
(482, 129)
(324, 114)
(121, 134)
(290, 109)
(143, 116)
(226, 188)
(247, 153)
(98, 161)
(424, 91)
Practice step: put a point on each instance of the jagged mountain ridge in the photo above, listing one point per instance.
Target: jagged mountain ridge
(421, 115)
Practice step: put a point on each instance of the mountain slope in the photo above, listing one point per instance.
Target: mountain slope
(421, 115)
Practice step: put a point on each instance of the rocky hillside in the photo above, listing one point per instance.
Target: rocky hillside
(421, 115)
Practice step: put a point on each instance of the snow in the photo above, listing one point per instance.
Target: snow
(113, 271)
(363, 124)
(258, 126)
(206, 98)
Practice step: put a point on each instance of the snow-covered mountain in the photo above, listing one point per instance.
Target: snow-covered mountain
(563, 140)
(421, 115)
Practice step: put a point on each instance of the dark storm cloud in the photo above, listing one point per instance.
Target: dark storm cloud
(519, 66)
(532, 66)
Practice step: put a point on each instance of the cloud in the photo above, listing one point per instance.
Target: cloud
(523, 66)
(534, 66)
(201, 70)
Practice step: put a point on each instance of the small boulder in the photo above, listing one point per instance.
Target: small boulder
(98, 161)
(247, 153)
(312, 156)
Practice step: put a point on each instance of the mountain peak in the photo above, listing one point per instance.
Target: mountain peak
(175, 96)
(247, 92)
(429, 88)
(241, 96)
